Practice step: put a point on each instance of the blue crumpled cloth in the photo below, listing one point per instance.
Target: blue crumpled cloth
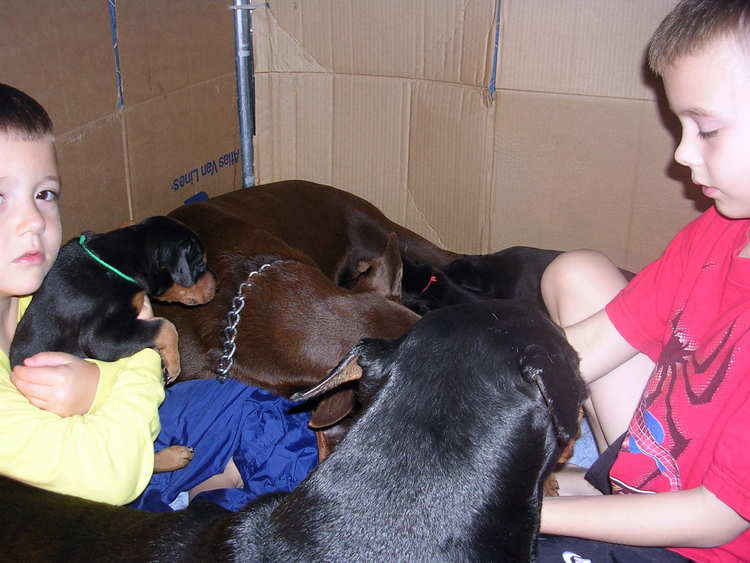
(266, 435)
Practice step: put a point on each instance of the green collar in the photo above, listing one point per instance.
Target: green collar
(82, 242)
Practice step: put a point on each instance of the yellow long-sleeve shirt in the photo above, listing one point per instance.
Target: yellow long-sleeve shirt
(106, 454)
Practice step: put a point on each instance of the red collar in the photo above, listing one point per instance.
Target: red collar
(433, 279)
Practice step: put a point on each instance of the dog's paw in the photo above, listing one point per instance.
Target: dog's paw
(166, 343)
(172, 458)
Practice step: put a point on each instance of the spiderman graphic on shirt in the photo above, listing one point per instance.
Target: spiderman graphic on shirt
(684, 378)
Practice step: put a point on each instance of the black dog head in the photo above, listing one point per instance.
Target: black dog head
(175, 262)
(494, 347)
(426, 288)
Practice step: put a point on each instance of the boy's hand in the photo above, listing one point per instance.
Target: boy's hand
(56, 382)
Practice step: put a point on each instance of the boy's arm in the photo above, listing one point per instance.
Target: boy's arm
(600, 347)
(73, 389)
(690, 518)
(59, 383)
(105, 455)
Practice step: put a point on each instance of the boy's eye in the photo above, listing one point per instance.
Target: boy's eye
(47, 195)
(708, 134)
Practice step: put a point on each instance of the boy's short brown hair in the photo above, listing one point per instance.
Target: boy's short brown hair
(22, 115)
(692, 24)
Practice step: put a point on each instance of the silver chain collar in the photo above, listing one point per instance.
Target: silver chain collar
(229, 347)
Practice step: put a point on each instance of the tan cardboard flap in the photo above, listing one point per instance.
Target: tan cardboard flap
(294, 127)
(278, 38)
(450, 159)
(92, 168)
(568, 46)
(371, 140)
(438, 40)
(549, 189)
(181, 144)
(665, 198)
(61, 54)
(167, 46)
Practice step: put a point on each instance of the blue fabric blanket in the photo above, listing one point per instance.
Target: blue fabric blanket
(268, 438)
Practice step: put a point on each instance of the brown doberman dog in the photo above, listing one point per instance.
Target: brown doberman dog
(295, 324)
(340, 231)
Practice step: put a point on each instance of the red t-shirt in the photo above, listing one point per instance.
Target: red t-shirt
(690, 312)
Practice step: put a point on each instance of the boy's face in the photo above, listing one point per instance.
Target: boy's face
(29, 216)
(710, 94)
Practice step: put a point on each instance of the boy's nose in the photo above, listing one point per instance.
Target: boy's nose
(687, 153)
(31, 220)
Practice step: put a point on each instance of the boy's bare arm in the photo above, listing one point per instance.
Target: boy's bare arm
(690, 518)
(600, 346)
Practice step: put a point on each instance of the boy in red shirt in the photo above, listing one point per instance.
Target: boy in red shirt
(667, 357)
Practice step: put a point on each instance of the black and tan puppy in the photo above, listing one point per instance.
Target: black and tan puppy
(89, 301)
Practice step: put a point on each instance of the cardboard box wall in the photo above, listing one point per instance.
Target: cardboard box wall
(391, 100)
(171, 133)
(387, 99)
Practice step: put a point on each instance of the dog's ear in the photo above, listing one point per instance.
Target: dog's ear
(347, 370)
(332, 409)
(180, 271)
(383, 273)
(553, 382)
(416, 277)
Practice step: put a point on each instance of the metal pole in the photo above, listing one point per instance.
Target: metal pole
(243, 46)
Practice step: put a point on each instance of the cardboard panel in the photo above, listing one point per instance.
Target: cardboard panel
(294, 127)
(566, 46)
(165, 46)
(665, 198)
(92, 168)
(181, 144)
(565, 169)
(440, 40)
(450, 161)
(371, 140)
(60, 53)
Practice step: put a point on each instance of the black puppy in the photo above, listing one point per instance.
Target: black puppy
(464, 417)
(88, 303)
(512, 273)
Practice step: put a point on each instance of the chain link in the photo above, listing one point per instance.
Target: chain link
(229, 347)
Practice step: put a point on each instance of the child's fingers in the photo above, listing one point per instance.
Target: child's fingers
(31, 390)
(48, 359)
(37, 375)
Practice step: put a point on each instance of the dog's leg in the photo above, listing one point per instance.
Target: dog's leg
(166, 343)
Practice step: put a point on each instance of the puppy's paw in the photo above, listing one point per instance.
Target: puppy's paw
(172, 458)
(167, 345)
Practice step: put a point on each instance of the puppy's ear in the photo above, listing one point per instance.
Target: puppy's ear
(415, 276)
(347, 370)
(175, 259)
(382, 273)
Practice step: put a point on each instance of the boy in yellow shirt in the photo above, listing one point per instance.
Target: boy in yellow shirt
(106, 454)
